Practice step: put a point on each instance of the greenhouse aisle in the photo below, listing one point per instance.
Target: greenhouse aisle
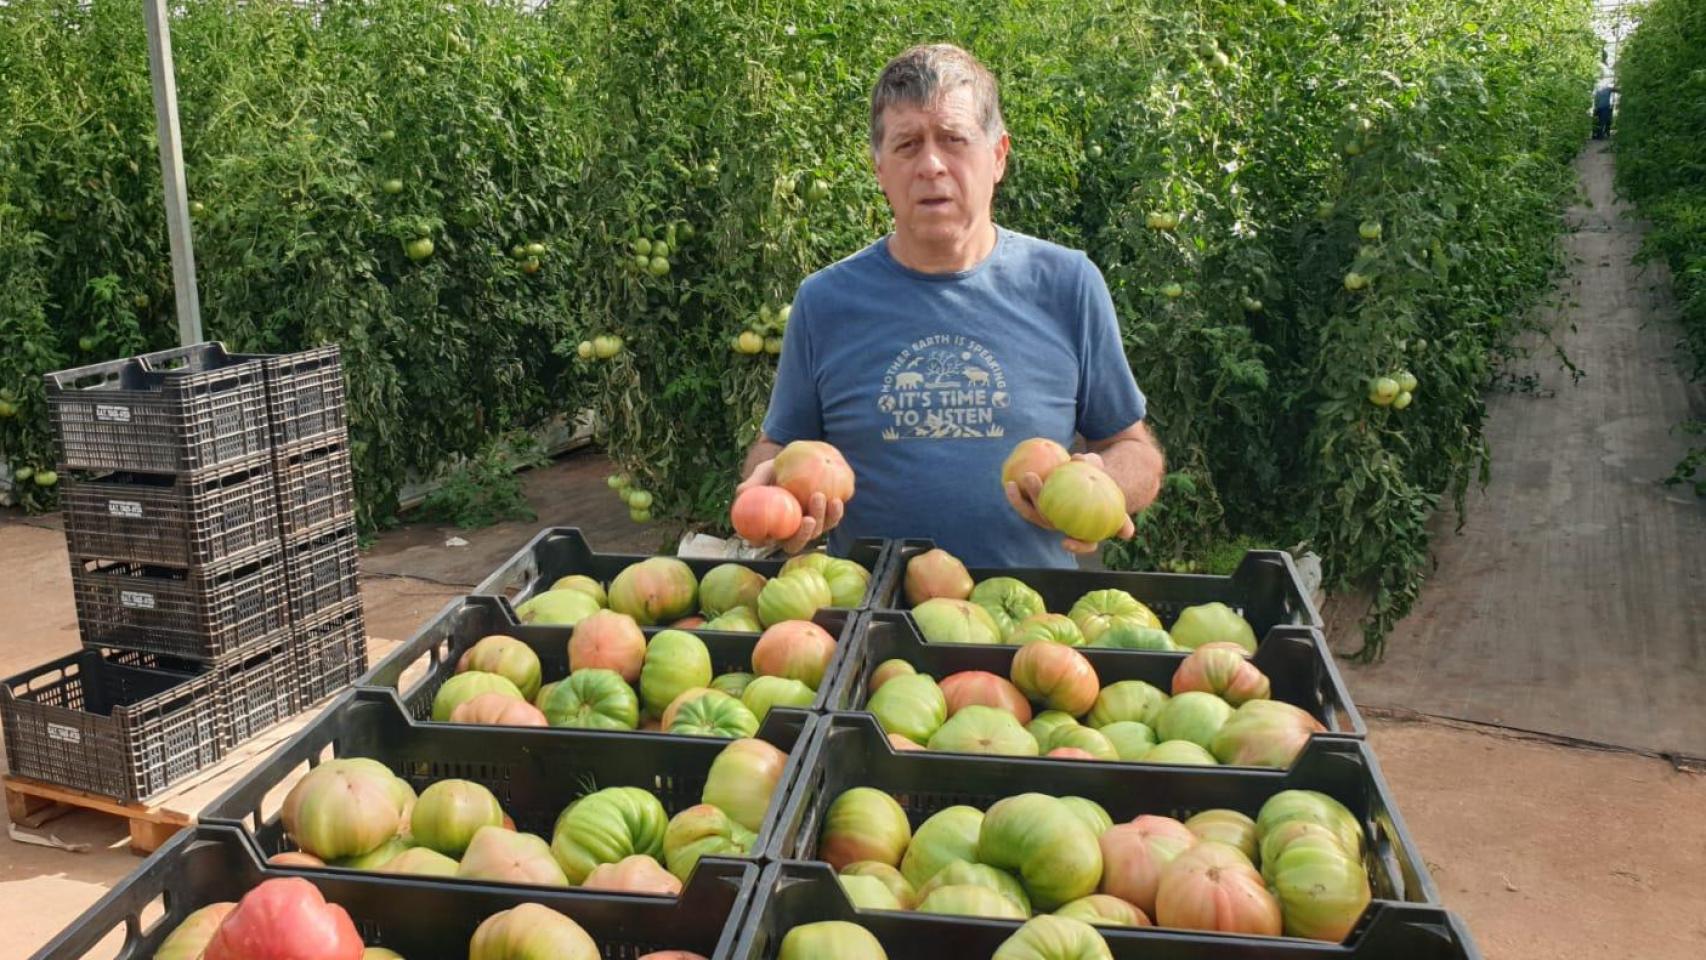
(1571, 601)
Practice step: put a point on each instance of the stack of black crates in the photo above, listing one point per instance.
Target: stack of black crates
(209, 516)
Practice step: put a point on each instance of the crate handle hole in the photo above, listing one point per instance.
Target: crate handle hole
(152, 914)
(90, 381)
(112, 945)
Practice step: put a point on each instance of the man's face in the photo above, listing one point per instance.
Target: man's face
(939, 170)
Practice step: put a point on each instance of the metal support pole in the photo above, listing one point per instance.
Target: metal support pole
(172, 170)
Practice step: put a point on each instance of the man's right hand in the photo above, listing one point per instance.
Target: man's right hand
(821, 515)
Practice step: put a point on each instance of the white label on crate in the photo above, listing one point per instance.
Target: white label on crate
(59, 731)
(136, 600)
(125, 508)
(112, 413)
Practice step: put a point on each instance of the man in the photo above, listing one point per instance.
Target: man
(1602, 111)
(927, 356)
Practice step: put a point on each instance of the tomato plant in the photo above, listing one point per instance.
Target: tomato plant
(1660, 124)
(510, 211)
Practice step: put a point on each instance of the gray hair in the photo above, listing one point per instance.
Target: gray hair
(925, 74)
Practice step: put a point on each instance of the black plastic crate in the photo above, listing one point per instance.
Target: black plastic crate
(181, 519)
(418, 918)
(427, 659)
(330, 649)
(1265, 588)
(315, 487)
(258, 687)
(557, 552)
(534, 772)
(202, 612)
(322, 570)
(1295, 659)
(119, 723)
(166, 412)
(849, 750)
(305, 395)
(792, 893)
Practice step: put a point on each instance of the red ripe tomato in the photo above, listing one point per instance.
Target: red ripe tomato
(285, 919)
(762, 514)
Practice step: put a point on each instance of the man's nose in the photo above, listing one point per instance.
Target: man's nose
(930, 162)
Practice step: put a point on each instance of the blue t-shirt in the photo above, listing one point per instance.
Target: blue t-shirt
(926, 382)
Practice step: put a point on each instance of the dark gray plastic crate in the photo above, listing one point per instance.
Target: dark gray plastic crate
(1295, 660)
(534, 772)
(166, 412)
(200, 612)
(258, 687)
(792, 893)
(419, 918)
(182, 519)
(321, 571)
(305, 395)
(1265, 588)
(316, 489)
(850, 750)
(118, 723)
(422, 663)
(330, 649)
(557, 552)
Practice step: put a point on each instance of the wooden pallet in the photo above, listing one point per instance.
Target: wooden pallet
(29, 803)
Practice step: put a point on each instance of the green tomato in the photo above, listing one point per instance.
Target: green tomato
(1173, 291)
(659, 266)
(714, 715)
(676, 661)
(1355, 281)
(1402, 400)
(1369, 230)
(605, 827)
(46, 478)
(419, 248)
(1042, 840)
(660, 249)
(1383, 391)
(592, 698)
(1407, 381)
(392, 186)
(912, 706)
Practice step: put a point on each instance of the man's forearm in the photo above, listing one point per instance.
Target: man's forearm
(1137, 466)
(762, 449)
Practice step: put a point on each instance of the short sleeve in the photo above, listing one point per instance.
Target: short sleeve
(1109, 399)
(795, 411)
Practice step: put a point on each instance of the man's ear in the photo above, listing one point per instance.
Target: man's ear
(1002, 146)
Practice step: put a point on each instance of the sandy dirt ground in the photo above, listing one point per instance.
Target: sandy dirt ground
(1573, 599)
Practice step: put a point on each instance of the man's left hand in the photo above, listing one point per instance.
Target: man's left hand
(1023, 496)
